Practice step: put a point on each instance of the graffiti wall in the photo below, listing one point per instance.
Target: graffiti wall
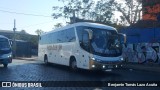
(143, 45)
(142, 52)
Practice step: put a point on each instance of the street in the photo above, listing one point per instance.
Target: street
(34, 70)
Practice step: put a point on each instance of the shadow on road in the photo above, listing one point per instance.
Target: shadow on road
(82, 72)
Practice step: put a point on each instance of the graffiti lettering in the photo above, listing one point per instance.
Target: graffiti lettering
(142, 52)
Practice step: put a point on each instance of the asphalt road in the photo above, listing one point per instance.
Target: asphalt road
(30, 70)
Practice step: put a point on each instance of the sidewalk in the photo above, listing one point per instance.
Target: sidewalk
(146, 67)
(25, 58)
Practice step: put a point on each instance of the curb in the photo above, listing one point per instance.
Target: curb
(144, 67)
(29, 59)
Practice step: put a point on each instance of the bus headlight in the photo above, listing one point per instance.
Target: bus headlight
(104, 66)
(93, 59)
(121, 59)
(93, 66)
(9, 56)
(116, 66)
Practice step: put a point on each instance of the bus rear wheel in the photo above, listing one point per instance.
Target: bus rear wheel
(45, 59)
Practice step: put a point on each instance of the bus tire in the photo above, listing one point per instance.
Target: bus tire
(5, 65)
(46, 59)
(73, 64)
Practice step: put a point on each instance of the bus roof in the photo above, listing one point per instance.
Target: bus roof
(94, 25)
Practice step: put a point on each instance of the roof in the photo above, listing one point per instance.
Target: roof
(1, 36)
(95, 25)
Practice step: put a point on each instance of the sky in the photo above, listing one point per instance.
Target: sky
(15, 9)
(29, 23)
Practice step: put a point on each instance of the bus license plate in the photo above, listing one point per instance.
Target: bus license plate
(110, 66)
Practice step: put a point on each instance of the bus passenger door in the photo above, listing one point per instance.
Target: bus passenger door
(83, 50)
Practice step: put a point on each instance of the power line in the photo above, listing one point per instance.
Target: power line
(36, 24)
(5, 11)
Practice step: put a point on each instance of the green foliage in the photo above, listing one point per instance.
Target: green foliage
(58, 25)
(101, 11)
(130, 10)
(39, 32)
(104, 11)
(33, 39)
(80, 7)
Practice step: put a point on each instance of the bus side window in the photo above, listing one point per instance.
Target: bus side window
(79, 34)
(70, 35)
(63, 34)
(85, 40)
(41, 41)
(54, 37)
(49, 39)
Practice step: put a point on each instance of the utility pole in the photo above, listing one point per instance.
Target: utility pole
(14, 39)
(74, 17)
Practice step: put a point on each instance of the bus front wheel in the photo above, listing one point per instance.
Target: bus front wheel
(73, 65)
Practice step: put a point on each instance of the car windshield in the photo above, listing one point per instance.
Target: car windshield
(4, 43)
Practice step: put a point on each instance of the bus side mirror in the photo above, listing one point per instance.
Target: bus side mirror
(90, 32)
(122, 38)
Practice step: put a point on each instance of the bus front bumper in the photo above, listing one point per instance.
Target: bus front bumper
(95, 65)
(5, 60)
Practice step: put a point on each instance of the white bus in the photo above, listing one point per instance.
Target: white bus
(82, 45)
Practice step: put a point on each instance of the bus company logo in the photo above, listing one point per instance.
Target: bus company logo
(54, 47)
(6, 84)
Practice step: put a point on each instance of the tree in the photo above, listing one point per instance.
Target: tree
(71, 8)
(22, 35)
(58, 25)
(104, 11)
(23, 32)
(85, 10)
(34, 41)
(39, 32)
(130, 9)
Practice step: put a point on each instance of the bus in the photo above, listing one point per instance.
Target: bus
(5, 51)
(84, 45)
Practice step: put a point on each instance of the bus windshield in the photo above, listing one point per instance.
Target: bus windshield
(4, 44)
(104, 42)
